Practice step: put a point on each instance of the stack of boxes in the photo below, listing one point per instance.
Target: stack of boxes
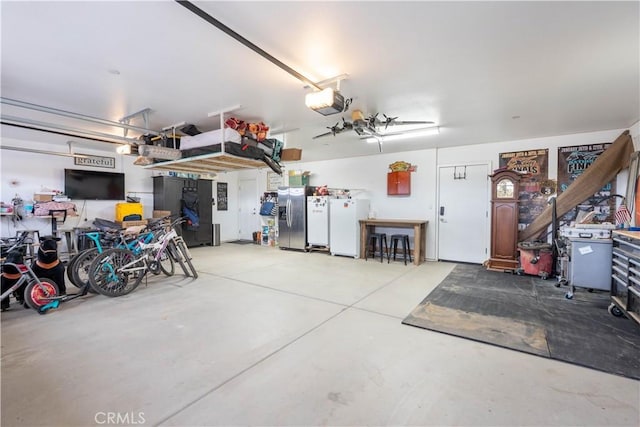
(297, 178)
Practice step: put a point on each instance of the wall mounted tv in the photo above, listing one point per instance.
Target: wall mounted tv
(93, 185)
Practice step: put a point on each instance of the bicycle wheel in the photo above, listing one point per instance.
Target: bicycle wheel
(163, 265)
(81, 266)
(69, 268)
(166, 263)
(176, 255)
(116, 272)
(182, 247)
(38, 294)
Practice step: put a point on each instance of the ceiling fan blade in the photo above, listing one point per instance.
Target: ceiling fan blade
(322, 134)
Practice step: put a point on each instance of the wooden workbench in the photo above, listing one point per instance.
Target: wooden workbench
(419, 234)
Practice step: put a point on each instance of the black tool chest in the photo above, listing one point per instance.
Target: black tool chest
(625, 284)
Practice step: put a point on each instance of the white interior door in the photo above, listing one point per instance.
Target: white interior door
(248, 218)
(463, 213)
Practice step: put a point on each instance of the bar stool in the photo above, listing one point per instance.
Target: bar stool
(32, 237)
(406, 250)
(372, 242)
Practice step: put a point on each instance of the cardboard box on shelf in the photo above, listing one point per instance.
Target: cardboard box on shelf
(41, 197)
(161, 214)
(297, 177)
(291, 154)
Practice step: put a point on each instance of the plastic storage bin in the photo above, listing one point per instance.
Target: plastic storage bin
(125, 209)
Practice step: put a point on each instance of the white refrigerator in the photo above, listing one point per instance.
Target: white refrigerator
(318, 220)
(344, 225)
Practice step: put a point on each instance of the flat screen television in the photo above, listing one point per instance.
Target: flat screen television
(93, 185)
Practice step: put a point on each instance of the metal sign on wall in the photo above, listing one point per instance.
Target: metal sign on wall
(95, 161)
(533, 199)
(572, 162)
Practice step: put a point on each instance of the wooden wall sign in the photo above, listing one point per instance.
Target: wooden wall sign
(95, 161)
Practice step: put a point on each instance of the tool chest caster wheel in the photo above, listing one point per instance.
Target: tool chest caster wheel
(614, 310)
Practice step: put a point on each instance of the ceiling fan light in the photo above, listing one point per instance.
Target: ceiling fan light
(325, 102)
(423, 132)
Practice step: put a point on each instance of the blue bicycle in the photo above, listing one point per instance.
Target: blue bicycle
(78, 269)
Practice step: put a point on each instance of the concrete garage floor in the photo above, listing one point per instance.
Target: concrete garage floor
(270, 337)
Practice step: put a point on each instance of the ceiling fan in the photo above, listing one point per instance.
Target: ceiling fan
(368, 126)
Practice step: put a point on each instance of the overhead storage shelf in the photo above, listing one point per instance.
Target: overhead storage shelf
(208, 163)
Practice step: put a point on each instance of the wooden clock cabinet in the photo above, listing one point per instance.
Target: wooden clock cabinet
(505, 186)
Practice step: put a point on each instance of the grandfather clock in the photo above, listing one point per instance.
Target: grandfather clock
(504, 220)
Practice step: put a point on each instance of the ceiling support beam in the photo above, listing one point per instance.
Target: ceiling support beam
(43, 125)
(63, 113)
(219, 25)
(52, 153)
(124, 122)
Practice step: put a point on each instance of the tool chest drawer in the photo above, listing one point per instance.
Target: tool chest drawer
(625, 275)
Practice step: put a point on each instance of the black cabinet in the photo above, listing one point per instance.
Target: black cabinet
(167, 196)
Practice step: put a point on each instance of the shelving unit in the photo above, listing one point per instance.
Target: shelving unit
(625, 273)
(269, 223)
(167, 195)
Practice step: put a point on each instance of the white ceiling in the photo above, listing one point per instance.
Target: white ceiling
(562, 67)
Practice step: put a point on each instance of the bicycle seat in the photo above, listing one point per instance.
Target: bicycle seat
(106, 225)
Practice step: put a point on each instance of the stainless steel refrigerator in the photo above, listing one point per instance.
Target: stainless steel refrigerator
(292, 217)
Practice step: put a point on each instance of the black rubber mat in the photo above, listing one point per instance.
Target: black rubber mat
(530, 314)
(242, 242)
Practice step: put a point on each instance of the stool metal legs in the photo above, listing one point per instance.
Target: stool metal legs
(372, 243)
(406, 249)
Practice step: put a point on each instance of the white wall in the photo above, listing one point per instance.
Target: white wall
(24, 173)
(369, 173)
(365, 176)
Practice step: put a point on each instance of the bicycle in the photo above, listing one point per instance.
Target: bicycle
(119, 271)
(107, 238)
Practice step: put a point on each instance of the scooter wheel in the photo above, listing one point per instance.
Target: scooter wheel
(38, 294)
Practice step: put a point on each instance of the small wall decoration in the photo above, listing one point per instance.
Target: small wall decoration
(572, 162)
(533, 197)
(273, 181)
(401, 166)
(95, 161)
(221, 191)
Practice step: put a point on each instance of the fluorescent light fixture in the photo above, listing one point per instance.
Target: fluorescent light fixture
(424, 132)
(124, 149)
(325, 102)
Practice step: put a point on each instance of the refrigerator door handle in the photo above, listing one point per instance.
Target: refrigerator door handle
(289, 213)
